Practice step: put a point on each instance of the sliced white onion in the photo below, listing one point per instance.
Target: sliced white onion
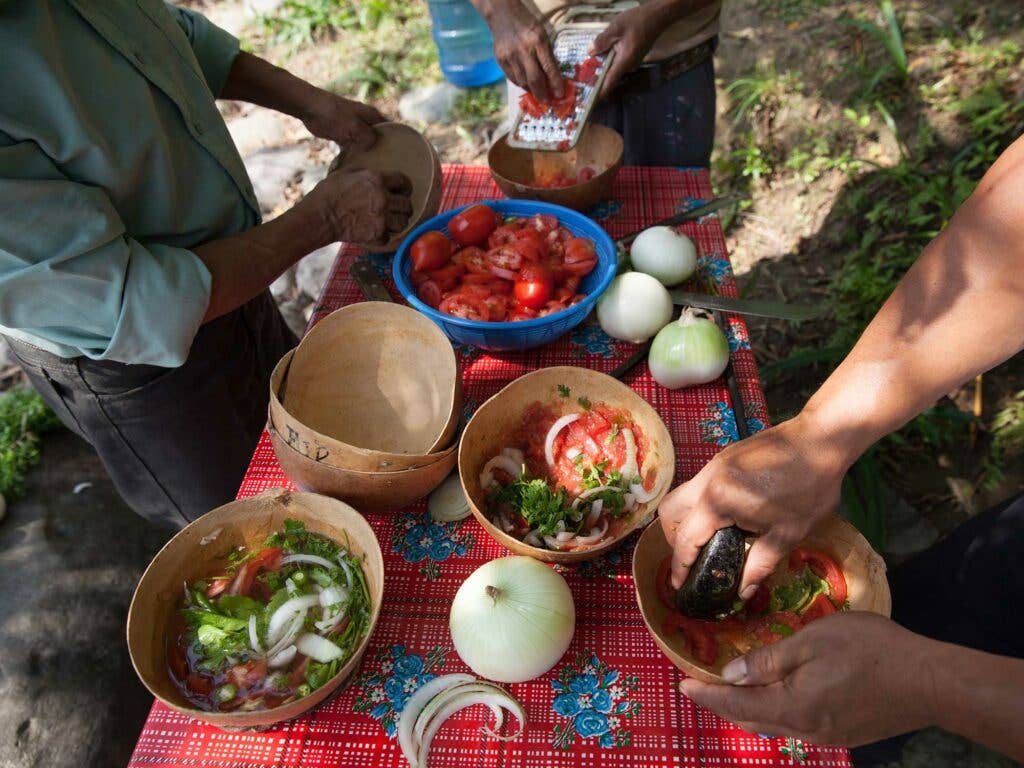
(595, 535)
(642, 496)
(553, 543)
(288, 609)
(595, 511)
(290, 586)
(414, 705)
(254, 637)
(549, 440)
(347, 569)
(447, 502)
(592, 491)
(460, 698)
(504, 522)
(565, 536)
(533, 539)
(436, 706)
(560, 526)
(318, 648)
(572, 453)
(310, 560)
(290, 633)
(331, 596)
(283, 658)
(629, 469)
(515, 454)
(628, 502)
(503, 462)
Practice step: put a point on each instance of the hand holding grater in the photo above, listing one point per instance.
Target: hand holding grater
(571, 43)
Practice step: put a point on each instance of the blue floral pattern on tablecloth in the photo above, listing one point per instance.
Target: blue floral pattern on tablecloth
(593, 340)
(719, 426)
(714, 268)
(419, 538)
(604, 209)
(382, 694)
(597, 701)
(737, 337)
(382, 263)
(468, 351)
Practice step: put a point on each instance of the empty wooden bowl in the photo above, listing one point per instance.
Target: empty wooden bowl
(197, 551)
(516, 170)
(496, 422)
(864, 569)
(373, 376)
(324, 449)
(366, 491)
(401, 148)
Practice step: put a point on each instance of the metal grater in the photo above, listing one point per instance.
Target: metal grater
(550, 133)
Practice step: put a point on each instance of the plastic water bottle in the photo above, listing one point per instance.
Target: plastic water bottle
(464, 44)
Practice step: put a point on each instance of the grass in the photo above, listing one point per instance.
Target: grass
(23, 418)
(477, 105)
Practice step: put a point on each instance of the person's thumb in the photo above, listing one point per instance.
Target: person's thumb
(763, 666)
(604, 41)
(764, 555)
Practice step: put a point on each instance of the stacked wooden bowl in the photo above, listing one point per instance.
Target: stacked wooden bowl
(367, 407)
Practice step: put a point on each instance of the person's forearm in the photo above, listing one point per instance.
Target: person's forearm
(258, 81)
(243, 265)
(981, 697)
(955, 314)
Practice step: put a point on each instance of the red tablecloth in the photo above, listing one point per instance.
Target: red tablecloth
(613, 700)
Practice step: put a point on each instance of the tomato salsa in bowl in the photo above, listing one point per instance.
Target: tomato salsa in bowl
(834, 569)
(541, 295)
(564, 463)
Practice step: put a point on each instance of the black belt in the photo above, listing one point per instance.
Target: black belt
(647, 77)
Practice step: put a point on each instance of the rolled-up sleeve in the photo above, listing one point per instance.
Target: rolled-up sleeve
(72, 281)
(215, 48)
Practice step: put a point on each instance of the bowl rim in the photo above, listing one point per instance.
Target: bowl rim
(601, 240)
(263, 717)
(597, 179)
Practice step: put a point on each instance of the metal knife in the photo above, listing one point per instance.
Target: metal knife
(756, 307)
(369, 282)
(694, 213)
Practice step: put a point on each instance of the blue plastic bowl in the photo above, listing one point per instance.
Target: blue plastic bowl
(524, 334)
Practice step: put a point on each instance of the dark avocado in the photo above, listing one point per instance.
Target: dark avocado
(711, 585)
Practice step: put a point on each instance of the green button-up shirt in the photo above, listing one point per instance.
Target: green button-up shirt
(114, 162)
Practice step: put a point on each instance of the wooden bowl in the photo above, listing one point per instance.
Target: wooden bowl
(196, 551)
(335, 453)
(868, 589)
(374, 376)
(493, 424)
(401, 148)
(515, 170)
(366, 491)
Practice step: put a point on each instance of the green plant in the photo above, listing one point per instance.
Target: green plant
(23, 418)
(1007, 429)
(747, 160)
(756, 90)
(479, 104)
(864, 499)
(298, 22)
(890, 36)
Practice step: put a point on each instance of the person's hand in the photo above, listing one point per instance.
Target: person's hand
(848, 679)
(631, 35)
(341, 120)
(363, 207)
(777, 483)
(523, 50)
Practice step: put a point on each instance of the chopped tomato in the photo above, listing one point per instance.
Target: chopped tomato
(532, 106)
(505, 257)
(447, 277)
(498, 306)
(533, 236)
(565, 106)
(473, 259)
(466, 306)
(663, 581)
(217, 586)
(820, 607)
(585, 174)
(543, 223)
(417, 278)
(503, 235)
(824, 567)
(586, 71)
(196, 683)
(298, 675)
(522, 313)
(699, 636)
(430, 251)
(758, 604)
(430, 294)
(473, 225)
(534, 286)
(268, 559)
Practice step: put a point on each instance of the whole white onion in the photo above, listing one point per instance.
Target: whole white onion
(634, 308)
(512, 619)
(664, 254)
(692, 350)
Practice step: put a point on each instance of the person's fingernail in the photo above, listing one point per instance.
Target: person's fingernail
(748, 593)
(735, 671)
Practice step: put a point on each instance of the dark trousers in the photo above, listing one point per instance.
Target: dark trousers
(965, 590)
(672, 124)
(175, 441)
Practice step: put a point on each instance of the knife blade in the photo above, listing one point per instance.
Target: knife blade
(369, 282)
(757, 307)
(693, 213)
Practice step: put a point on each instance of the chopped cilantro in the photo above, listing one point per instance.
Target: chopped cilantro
(794, 595)
(542, 507)
(612, 435)
(578, 462)
(563, 390)
(778, 628)
(584, 403)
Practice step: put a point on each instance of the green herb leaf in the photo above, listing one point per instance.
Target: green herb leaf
(239, 606)
(778, 628)
(584, 403)
(797, 593)
(563, 390)
(612, 435)
(542, 507)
